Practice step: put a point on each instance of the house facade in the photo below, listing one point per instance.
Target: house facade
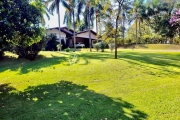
(64, 32)
(67, 36)
(83, 37)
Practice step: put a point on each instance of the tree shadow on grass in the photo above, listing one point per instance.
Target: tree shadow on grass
(162, 60)
(85, 58)
(65, 101)
(24, 66)
(101, 56)
(5, 88)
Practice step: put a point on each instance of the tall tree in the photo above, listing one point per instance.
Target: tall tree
(20, 22)
(88, 18)
(55, 5)
(137, 15)
(126, 9)
(159, 13)
(94, 8)
(73, 10)
(119, 4)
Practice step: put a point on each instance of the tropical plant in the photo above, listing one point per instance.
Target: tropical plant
(55, 5)
(137, 15)
(89, 17)
(72, 14)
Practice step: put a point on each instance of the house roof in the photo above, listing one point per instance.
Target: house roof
(87, 31)
(63, 29)
(70, 31)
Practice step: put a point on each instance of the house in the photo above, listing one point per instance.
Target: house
(67, 36)
(83, 37)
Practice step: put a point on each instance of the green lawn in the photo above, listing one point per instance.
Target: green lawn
(140, 84)
(171, 47)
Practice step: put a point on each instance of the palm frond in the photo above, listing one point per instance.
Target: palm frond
(79, 10)
(52, 8)
(66, 5)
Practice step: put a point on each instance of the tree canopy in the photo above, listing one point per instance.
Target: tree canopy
(20, 22)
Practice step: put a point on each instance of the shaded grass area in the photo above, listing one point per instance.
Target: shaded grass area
(64, 100)
(25, 66)
(138, 85)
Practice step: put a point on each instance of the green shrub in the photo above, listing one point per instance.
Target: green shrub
(59, 47)
(102, 46)
(67, 49)
(97, 46)
(111, 46)
(51, 43)
(29, 52)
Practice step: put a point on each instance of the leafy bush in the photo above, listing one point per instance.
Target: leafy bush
(111, 46)
(67, 49)
(59, 46)
(29, 52)
(52, 43)
(97, 46)
(102, 46)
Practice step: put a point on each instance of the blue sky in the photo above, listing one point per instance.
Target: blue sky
(53, 22)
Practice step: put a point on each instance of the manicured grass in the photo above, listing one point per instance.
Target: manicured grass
(171, 47)
(140, 84)
(159, 46)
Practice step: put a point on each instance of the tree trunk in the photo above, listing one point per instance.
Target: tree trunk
(74, 33)
(136, 28)
(117, 19)
(97, 25)
(123, 25)
(139, 30)
(89, 28)
(58, 7)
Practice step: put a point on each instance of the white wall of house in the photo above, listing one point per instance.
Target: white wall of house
(86, 35)
(56, 32)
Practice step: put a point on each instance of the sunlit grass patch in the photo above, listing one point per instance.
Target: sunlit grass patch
(84, 85)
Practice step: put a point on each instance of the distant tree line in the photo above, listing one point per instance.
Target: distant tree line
(117, 21)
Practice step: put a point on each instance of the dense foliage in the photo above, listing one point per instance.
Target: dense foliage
(20, 23)
(175, 21)
(52, 43)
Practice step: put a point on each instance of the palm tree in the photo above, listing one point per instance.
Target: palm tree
(126, 8)
(92, 8)
(72, 14)
(137, 5)
(88, 19)
(55, 4)
(98, 8)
